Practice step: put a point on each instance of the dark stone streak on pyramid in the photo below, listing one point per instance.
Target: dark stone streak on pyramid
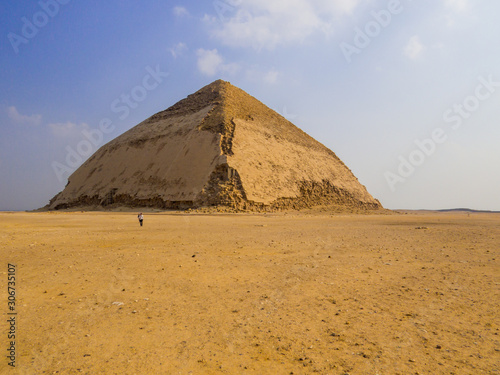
(218, 147)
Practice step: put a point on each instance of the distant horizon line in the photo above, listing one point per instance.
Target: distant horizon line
(458, 209)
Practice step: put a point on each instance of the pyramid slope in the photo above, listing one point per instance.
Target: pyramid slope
(219, 146)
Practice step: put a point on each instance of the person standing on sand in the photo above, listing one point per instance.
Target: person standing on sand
(141, 218)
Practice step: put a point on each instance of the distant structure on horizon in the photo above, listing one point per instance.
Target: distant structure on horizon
(218, 147)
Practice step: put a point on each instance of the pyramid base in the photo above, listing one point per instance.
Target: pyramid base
(229, 195)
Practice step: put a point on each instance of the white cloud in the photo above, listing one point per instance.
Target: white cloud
(67, 129)
(210, 63)
(18, 118)
(414, 48)
(346, 6)
(180, 11)
(266, 24)
(255, 74)
(178, 49)
(457, 5)
(271, 76)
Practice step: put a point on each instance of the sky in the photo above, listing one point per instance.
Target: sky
(406, 93)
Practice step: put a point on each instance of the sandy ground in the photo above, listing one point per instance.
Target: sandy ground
(252, 293)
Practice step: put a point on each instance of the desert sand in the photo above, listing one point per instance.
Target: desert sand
(287, 293)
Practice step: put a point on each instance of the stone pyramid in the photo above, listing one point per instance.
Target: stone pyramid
(218, 147)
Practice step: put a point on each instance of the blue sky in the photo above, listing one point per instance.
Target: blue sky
(406, 93)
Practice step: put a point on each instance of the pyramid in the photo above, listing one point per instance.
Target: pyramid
(217, 147)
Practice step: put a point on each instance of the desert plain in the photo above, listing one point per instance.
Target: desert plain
(287, 293)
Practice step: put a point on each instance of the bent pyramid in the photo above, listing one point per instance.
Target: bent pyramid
(218, 147)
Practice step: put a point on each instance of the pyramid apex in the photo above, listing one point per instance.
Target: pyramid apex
(220, 81)
(216, 85)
